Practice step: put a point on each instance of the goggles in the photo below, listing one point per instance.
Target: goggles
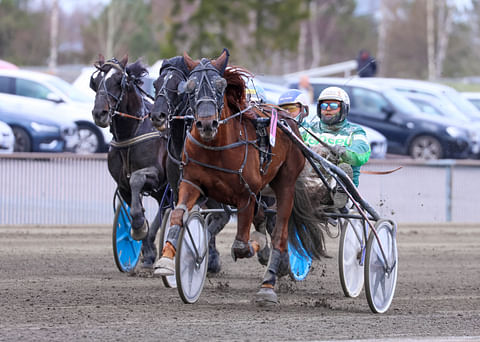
(291, 108)
(332, 105)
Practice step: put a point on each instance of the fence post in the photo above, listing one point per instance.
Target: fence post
(448, 191)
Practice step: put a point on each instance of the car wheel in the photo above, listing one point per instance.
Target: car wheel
(426, 147)
(23, 142)
(89, 140)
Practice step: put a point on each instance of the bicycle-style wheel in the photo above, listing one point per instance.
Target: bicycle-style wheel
(126, 251)
(380, 272)
(191, 259)
(300, 261)
(351, 256)
(168, 281)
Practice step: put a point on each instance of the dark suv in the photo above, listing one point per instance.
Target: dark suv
(408, 131)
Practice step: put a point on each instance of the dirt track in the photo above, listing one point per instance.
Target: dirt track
(61, 284)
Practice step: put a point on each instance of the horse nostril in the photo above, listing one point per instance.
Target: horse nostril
(198, 124)
(215, 124)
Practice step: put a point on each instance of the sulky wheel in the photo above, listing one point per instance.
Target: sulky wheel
(351, 256)
(168, 281)
(126, 251)
(380, 272)
(300, 261)
(191, 259)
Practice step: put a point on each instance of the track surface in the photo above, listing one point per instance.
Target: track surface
(61, 283)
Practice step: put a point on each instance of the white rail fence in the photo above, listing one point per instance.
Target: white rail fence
(62, 189)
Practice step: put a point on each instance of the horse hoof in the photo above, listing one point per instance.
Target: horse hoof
(241, 250)
(140, 233)
(266, 297)
(147, 265)
(164, 267)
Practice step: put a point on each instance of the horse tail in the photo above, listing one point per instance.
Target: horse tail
(305, 229)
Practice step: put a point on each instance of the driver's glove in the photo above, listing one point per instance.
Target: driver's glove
(338, 150)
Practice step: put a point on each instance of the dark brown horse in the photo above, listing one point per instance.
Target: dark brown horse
(137, 155)
(221, 161)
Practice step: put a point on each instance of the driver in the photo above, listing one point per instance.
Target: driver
(345, 144)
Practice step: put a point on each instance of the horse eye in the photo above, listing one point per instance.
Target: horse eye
(220, 84)
(191, 85)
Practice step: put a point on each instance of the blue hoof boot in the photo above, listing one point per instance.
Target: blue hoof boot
(213, 261)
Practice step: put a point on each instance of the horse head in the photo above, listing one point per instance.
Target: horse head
(169, 99)
(206, 87)
(117, 90)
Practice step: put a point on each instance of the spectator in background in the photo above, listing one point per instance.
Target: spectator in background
(367, 67)
(305, 87)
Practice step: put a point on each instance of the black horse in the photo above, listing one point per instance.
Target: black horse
(138, 153)
(170, 112)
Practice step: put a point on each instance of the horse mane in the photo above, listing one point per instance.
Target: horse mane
(235, 91)
(137, 69)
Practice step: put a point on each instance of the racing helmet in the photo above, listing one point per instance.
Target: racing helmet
(338, 94)
(295, 96)
(255, 92)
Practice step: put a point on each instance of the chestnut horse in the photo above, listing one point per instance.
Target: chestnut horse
(168, 113)
(137, 155)
(221, 161)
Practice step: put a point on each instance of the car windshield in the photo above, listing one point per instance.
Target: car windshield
(430, 108)
(70, 91)
(400, 102)
(462, 103)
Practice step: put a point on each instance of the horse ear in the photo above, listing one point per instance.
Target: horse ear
(191, 64)
(221, 62)
(124, 61)
(100, 62)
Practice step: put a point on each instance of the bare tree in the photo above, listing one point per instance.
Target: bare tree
(52, 61)
(432, 74)
(444, 29)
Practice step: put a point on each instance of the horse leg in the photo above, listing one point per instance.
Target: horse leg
(188, 196)
(260, 222)
(138, 179)
(149, 251)
(284, 194)
(243, 247)
(215, 224)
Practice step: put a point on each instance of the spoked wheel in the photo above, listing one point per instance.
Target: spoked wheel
(380, 272)
(168, 281)
(351, 256)
(300, 261)
(191, 259)
(126, 251)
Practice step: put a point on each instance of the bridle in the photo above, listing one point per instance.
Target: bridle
(126, 79)
(164, 90)
(213, 93)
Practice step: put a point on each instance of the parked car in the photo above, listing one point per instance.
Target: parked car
(39, 133)
(440, 107)
(7, 139)
(408, 131)
(35, 92)
(473, 97)
(441, 92)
